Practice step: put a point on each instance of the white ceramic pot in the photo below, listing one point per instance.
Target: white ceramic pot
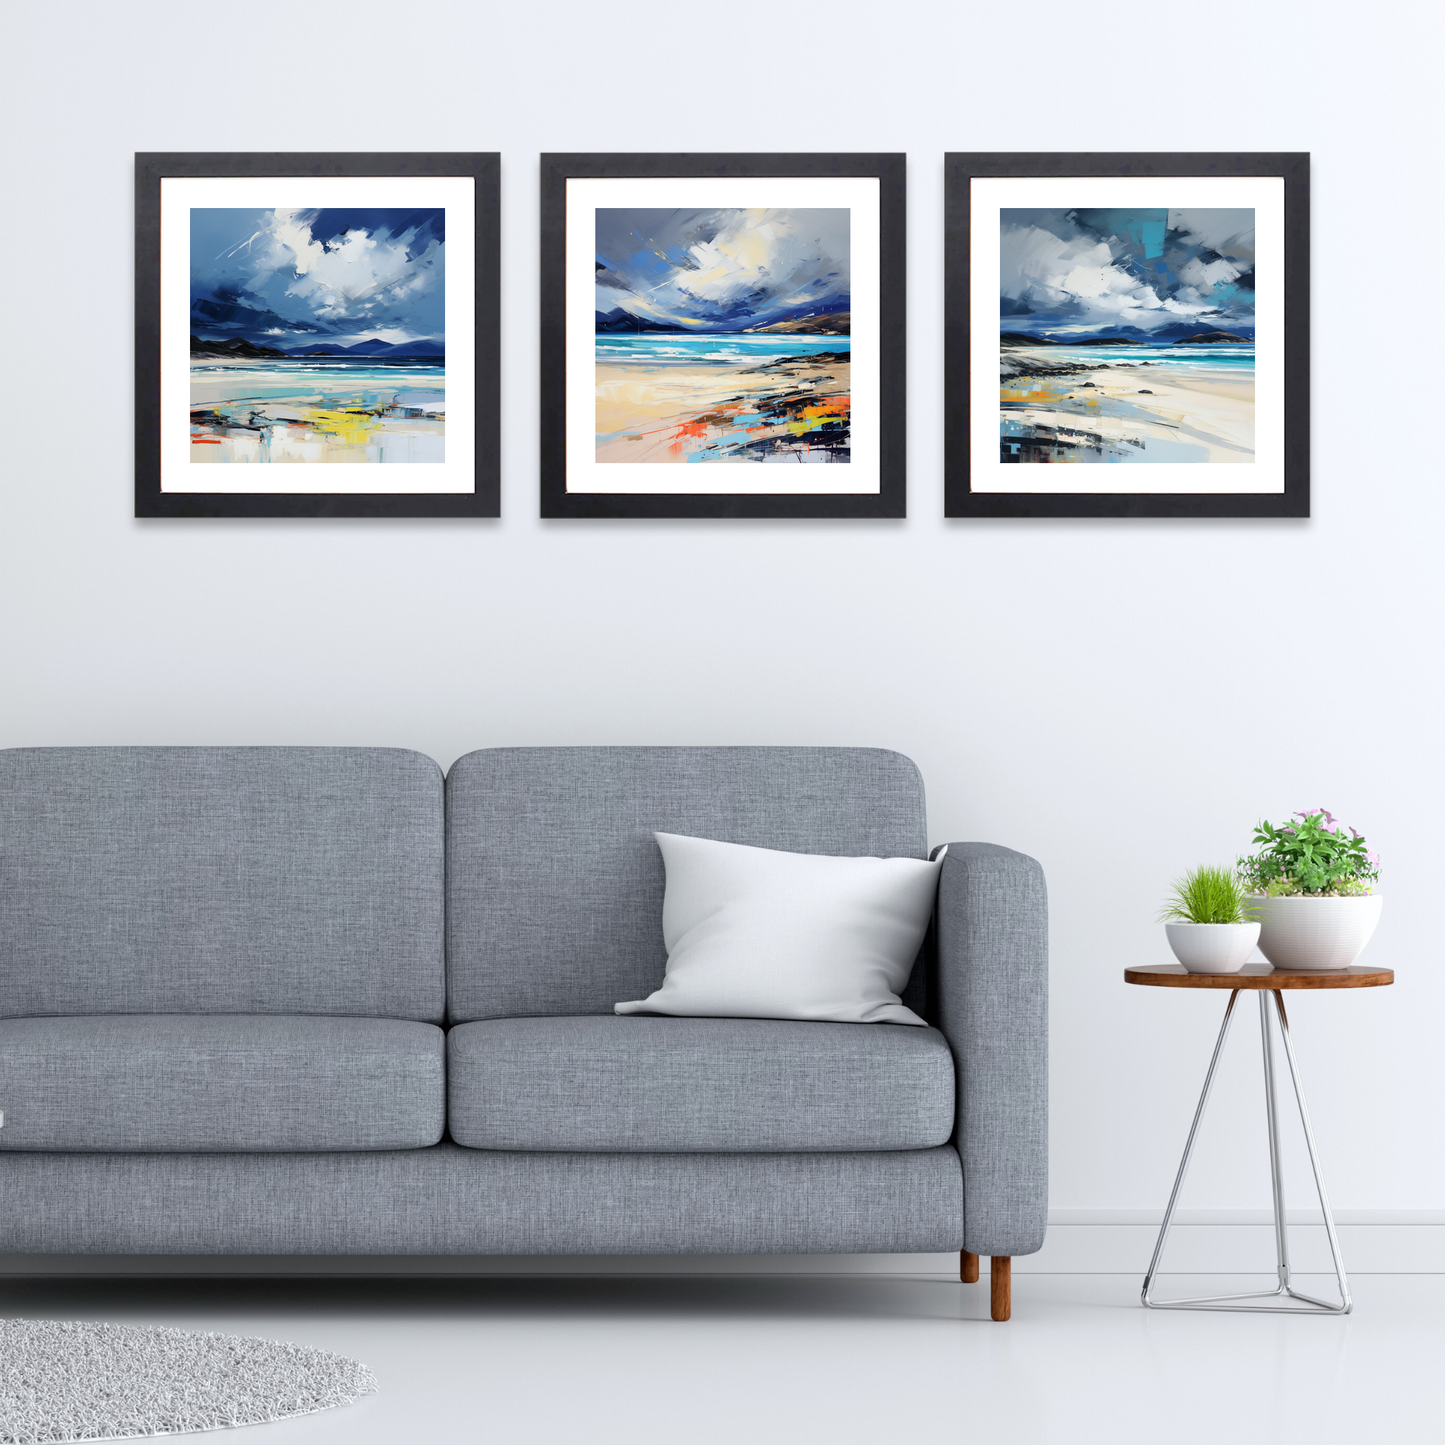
(1318, 933)
(1212, 947)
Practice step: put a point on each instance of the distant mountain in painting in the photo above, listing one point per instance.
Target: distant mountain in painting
(828, 323)
(236, 347)
(621, 320)
(1213, 338)
(374, 348)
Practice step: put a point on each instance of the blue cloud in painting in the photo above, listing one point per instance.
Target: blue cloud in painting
(1138, 272)
(720, 270)
(289, 278)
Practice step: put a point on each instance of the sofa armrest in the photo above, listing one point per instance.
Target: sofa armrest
(992, 1004)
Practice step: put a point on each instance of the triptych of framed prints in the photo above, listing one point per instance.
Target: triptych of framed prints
(722, 335)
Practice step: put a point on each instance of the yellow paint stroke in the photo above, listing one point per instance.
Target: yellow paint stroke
(351, 428)
(1040, 395)
(813, 418)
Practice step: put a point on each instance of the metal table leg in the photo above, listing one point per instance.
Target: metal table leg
(1308, 1305)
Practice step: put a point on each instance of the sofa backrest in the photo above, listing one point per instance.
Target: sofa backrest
(221, 880)
(555, 882)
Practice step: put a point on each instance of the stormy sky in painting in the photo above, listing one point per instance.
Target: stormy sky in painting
(721, 270)
(290, 278)
(1160, 274)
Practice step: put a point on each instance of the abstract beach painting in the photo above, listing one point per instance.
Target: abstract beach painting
(723, 335)
(1126, 335)
(317, 335)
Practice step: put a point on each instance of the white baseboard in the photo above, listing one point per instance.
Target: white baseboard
(1079, 1242)
(1236, 1248)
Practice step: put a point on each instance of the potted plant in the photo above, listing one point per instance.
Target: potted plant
(1314, 891)
(1209, 922)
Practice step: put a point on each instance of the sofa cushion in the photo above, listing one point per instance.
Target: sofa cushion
(221, 880)
(479, 1202)
(555, 882)
(681, 1084)
(755, 933)
(220, 1082)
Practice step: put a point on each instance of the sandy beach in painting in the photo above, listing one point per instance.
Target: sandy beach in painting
(317, 410)
(1168, 404)
(770, 409)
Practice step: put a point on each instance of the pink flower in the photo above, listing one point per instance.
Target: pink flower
(1372, 857)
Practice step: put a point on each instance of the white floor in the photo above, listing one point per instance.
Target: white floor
(751, 1361)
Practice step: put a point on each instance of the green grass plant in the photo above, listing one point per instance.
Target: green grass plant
(1208, 895)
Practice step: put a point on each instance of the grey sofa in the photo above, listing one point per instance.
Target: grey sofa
(318, 1001)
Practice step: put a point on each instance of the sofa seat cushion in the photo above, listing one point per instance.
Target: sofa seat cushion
(229, 1082)
(647, 1084)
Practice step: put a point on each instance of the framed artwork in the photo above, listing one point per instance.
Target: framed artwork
(316, 335)
(1127, 335)
(723, 336)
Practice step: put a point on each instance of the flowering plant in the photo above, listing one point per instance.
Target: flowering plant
(1312, 857)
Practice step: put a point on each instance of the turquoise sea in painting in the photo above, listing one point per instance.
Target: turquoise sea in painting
(1176, 360)
(725, 349)
(320, 409)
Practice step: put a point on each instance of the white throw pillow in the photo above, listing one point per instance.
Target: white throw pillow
(754, 933)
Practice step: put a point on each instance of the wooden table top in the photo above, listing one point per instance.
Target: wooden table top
(1261, 975)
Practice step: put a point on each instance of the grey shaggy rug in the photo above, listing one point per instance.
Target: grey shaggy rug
(62, 1380)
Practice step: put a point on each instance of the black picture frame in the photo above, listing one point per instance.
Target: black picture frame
(150, 501)
(960, 170)
(890, 500)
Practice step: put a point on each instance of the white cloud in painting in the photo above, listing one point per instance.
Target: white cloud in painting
(342, 279)
(1206, 275)
(1074, 272)
(725, 268)
(293, 276)
(392, 335)
(1230, 232)
(753, 253)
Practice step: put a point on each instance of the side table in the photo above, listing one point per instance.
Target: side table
(1269, 983)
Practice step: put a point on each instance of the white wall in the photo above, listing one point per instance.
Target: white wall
(1120, 699)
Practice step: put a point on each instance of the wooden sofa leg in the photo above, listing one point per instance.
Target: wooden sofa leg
(968, 1267)
(1000, 1295)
